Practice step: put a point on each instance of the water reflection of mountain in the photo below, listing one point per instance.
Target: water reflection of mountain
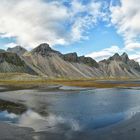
(12, 107)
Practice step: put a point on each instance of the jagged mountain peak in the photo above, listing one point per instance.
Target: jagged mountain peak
(120, 65)
(44, 49)
(125, 57)
(73, 53)
(88, 61)
(17, 49)
(125, 54)
(71, 57)
(43, 46)
(116, 56)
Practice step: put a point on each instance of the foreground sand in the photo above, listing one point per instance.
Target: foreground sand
(127, 130)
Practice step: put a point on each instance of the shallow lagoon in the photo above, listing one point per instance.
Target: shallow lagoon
(71, 109)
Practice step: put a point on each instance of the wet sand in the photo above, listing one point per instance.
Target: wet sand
(127, 130)
(12, 132)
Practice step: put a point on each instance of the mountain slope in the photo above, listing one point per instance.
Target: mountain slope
(120, 66)
(54, 64)
(11, 62)
(18, 50)
(2, 51)
(50, 63)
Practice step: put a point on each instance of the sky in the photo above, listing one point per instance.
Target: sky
(95, 28)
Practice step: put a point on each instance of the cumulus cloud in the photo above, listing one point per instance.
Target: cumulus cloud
(125, 17)
(132, 46)
(10, 45)
(36, 21)
(105, 53)
(135, 57)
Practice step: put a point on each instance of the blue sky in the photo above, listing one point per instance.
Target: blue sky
(100, 37)
(95, 28)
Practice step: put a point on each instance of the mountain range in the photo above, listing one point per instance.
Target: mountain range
(47, 62)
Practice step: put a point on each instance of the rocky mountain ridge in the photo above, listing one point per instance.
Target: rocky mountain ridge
(18, 50)
(50, 63)
(53, 64)
(120, 65)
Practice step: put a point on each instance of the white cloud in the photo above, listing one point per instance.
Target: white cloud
(126, 19)
(132, 46)
(105, 53)
(10, 45)
(84, 17)
(36, 21)
(135, 57)
(32, 22)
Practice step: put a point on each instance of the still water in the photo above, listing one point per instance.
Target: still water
(71, 110)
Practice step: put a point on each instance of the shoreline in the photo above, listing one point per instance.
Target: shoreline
(29, 81)
(78, 83)
(126, 130)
